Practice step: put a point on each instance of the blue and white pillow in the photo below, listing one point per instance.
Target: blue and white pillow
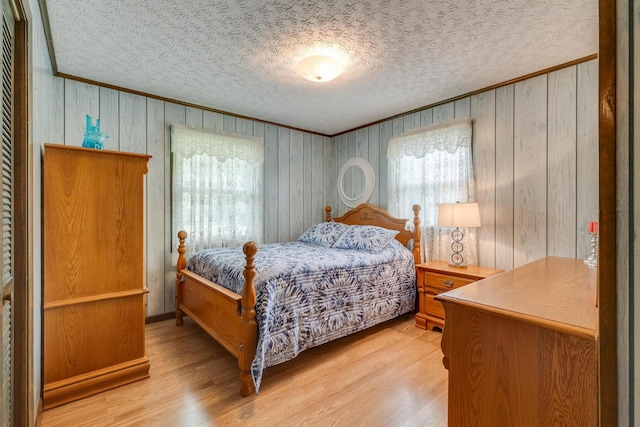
(324, 233)
(365, 238)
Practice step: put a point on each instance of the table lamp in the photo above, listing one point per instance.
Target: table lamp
(458, 215)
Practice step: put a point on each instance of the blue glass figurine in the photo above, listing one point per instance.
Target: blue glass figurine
(93, 138)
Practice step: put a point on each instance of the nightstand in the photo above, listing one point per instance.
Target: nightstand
(435, 277)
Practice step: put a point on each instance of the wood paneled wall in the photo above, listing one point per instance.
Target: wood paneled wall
(534, 143)
(627, 219)
(44, 121)
(536, 153)
(294, 167)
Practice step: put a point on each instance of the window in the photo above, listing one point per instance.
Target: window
(217, 187)
(429, 166)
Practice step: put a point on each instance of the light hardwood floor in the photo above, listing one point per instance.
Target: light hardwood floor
(388, 375)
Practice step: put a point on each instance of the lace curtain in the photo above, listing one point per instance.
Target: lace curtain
(216, 187)
(429, 166)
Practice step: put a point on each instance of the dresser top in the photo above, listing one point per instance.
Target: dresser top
(94, 150)
(553, 292)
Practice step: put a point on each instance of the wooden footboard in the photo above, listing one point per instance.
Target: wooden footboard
(225, 315)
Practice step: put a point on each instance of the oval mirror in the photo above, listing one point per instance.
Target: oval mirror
(369, 182)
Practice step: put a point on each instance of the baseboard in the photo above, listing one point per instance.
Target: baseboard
(160, 317)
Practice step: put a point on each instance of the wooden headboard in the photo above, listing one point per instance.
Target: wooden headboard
(367, 214)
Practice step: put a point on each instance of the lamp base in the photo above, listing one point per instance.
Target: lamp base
(457, 265)
(457, 260)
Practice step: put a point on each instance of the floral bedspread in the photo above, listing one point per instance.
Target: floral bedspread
(308, 295)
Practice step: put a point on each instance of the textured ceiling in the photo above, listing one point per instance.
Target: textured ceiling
(240, 56)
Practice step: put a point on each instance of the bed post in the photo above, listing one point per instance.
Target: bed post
(327, 209)
(180, 265)
(416, 233)
(249, 330)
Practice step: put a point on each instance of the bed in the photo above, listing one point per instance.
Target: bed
(265, 307)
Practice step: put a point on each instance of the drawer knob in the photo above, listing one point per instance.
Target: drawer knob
(448, 283)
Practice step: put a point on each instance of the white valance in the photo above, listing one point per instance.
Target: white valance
(188, 142)
(447, 136)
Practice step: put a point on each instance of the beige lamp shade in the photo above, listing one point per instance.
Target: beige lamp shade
(458, 215)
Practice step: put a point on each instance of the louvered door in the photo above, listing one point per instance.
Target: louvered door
(7, 214)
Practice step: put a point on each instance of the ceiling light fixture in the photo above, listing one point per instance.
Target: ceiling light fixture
(320, 68)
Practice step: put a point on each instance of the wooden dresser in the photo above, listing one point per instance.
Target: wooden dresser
(521, 347)
(94, 274)
(436, 277)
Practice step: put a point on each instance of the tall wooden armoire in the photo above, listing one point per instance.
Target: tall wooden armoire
(94, 271)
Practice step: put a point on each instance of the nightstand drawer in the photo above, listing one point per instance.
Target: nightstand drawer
(434, 308)
(436, 277)
(443, 282)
